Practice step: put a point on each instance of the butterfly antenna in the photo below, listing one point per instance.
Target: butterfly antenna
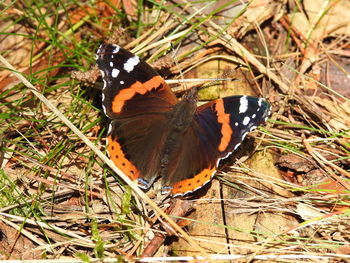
(222, 78)
(200, 86)
(175, 51)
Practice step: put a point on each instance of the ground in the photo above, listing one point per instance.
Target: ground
(283, 195)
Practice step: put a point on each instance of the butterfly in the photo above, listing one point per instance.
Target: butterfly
(154, 135)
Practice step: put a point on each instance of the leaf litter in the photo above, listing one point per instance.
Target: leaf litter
(284, 192)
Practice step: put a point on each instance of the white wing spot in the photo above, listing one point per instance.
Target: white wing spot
(259, 102)
(246, 120)
(116, 49)
(253, 116)
(243, 107)
(121, 82)
(111, 64)
(236, 123)
(115, 73)
(131, 63)
(103, 97)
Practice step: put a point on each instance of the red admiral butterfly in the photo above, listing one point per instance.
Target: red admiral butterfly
(153, 135)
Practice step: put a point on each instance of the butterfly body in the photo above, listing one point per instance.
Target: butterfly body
(154, 135)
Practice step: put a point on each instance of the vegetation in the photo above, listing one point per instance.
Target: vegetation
(284, 195)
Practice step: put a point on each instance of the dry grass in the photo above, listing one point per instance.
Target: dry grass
(286, 199)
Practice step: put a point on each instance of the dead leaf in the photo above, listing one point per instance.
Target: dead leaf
(308, 212)
(296, 163)
(345, 250)
(335, 75)
(258, 12)
(16, 246)
(338, 111)
(321, 19)
(324, 18)
(130, 7)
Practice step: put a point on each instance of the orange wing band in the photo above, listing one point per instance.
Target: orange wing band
(137, 88)
(118, 157)
(191, 184)
(226, 129)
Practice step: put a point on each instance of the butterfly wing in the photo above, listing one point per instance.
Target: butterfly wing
(144, 138)
(218, 129)
(131, 86)
(137, 100)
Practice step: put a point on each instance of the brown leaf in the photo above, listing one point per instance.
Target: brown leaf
(335, 75)
(130, 8)
(296, 163)
(16, 246)
(345, 250)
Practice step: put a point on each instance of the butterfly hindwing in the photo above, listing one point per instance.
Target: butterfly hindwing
(217, 129)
